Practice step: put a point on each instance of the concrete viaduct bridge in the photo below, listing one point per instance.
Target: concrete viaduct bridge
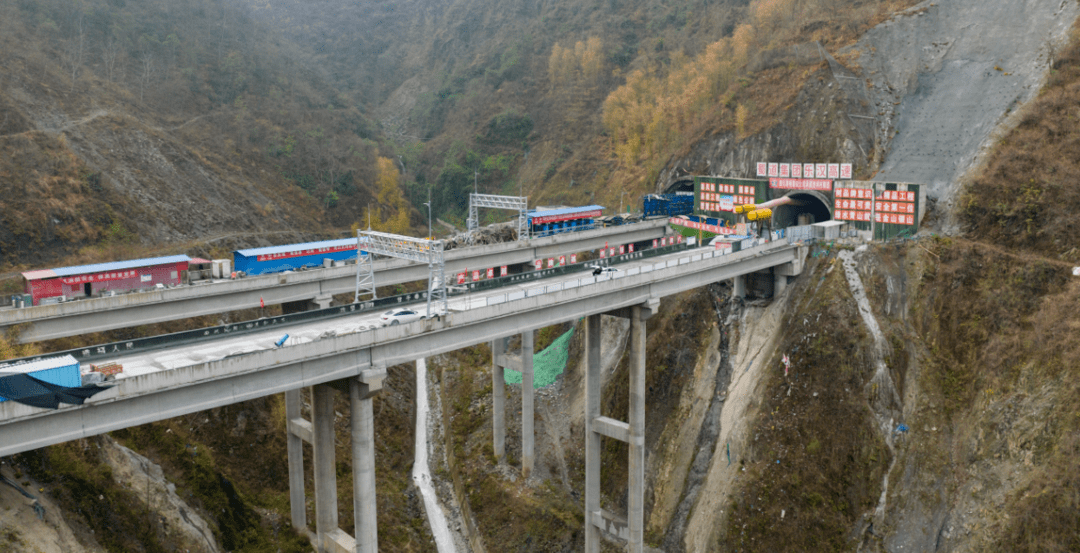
(47, 322)
(355, 363)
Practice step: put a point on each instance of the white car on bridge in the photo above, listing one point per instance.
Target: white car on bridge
(400, 316)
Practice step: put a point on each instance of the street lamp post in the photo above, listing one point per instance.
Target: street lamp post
(428, 204)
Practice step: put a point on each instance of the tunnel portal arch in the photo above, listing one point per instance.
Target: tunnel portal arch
(806, 207)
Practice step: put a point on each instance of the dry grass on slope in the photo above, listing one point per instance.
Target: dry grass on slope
(815, 462)
(1001, 332)
(1028, 195)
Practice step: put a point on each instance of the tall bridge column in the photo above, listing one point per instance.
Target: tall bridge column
(319, 432)
(592, 437)
(499, 362)
(361, 392)
(322, 446)
(498, 398)
(632, 527)
(298, 431)
(527, 403)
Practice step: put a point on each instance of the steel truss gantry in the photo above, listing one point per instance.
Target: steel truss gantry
(406, 247)
(365, 270)
(518, 203)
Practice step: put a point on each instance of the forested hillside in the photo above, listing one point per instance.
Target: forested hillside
(569, 102)
(152, 126)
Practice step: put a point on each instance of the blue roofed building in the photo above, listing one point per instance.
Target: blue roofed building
(290, 257)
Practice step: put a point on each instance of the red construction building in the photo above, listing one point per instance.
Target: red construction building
(66, 283)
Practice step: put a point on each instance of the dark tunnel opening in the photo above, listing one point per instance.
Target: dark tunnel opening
(804, 209)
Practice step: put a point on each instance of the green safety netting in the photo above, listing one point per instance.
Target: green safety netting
(547, 365)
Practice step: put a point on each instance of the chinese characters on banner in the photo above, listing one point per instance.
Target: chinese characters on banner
(79, 279)
(573, 258)
(475, 276)
(853, 204)
(823, 185)
(503, 271)
(302, 253)
(461, 278)
(785, 170)
(715, 229)
(896, 207)
(724, 197)
(830, 171)
(491, 273)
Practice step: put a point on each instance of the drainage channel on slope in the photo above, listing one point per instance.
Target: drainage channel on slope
(421, 475)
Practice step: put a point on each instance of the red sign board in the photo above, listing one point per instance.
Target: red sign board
(491, 273)
(475, 276)
(503, 271)
(461, 278)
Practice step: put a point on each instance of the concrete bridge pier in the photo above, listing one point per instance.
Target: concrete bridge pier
(498, 398)
(631, 528)
(524, 364)
(319, 432)
(738, 288)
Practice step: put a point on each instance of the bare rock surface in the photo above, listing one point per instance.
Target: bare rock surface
(946, 73)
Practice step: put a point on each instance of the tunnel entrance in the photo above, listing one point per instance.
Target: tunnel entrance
(805, 208)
